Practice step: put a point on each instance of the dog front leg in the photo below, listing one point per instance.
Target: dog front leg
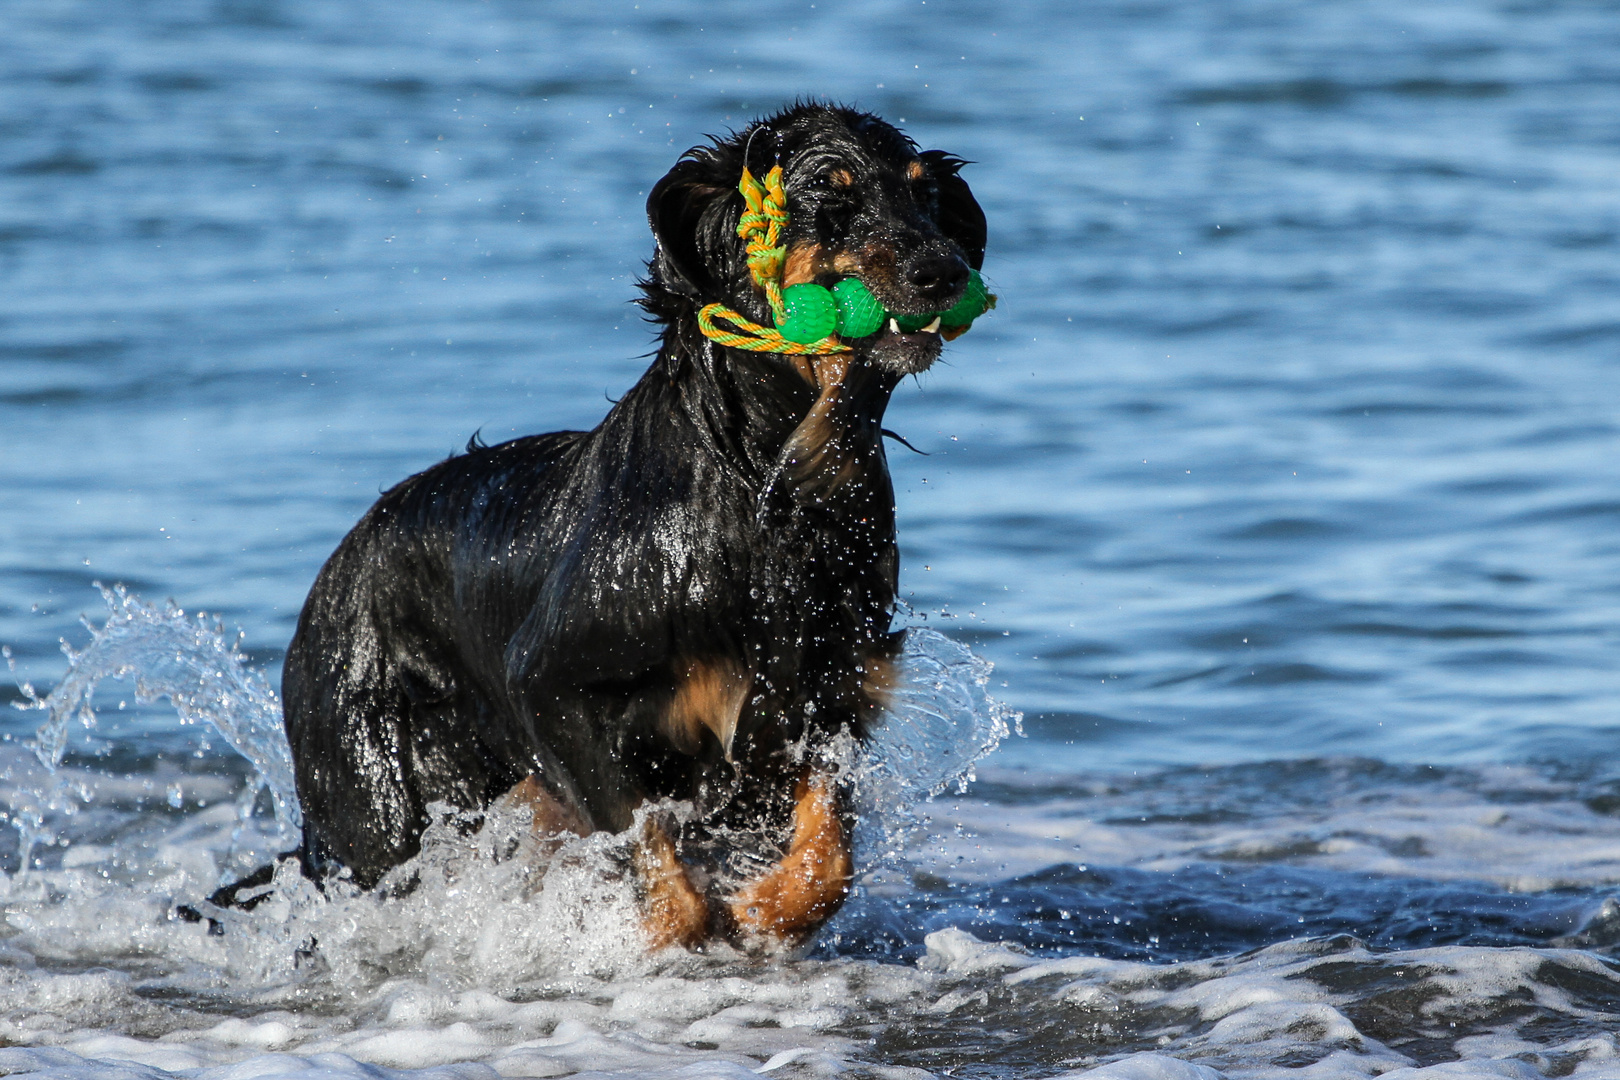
(813, 879)
(672, 912)
(552, 816)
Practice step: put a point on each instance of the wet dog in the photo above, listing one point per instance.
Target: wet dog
(689, 602)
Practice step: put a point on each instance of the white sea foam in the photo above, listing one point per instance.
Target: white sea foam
(1307, 1003)
(1312, 1009)
(1508, 825)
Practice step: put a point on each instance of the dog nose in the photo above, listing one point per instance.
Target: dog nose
(938, 275)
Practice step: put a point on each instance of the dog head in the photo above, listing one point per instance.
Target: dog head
(862, 202)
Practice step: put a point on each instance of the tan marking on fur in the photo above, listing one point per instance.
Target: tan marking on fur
(811, 882)
(818, 445)
(845, 263)
(811, 440)
(825, 373)
(552, 816)
(813, 436)
(841, 178)
(672, 911)
(804, 262)
(915, 170)
(879, 674)
(830, 371)
(709, 696)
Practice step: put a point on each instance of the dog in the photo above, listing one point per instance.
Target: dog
(686, 604)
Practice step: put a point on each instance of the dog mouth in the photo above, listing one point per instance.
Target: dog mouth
(904, 352)
(931, 328)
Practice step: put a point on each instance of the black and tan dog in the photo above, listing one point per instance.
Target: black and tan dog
(686, 602)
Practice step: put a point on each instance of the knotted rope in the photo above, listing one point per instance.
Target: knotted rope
(761, 227)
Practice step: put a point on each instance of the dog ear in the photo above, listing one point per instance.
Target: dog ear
(680, 210)
(959, 215)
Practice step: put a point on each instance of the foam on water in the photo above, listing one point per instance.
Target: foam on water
(1519, 827)
(1324, 1007)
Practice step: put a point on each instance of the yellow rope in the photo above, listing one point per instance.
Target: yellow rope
(757, 338)
(761, 227)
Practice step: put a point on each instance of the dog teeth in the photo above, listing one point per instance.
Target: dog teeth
(933, 327)
(894, 327)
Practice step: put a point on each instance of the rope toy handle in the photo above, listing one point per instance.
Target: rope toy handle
(761, 227)
(757, 338)
(763, 219)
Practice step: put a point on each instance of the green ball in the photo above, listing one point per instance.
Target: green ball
(859, 312)
(974, 302)
(811, 313)
(910, 324)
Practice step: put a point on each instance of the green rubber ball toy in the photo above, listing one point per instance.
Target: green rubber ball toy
(811, 313)
(859, 313)
(975, 301)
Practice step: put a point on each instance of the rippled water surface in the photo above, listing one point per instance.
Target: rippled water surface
(1280, 490)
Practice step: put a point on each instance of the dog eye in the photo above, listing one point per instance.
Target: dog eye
(926, 192)
(924, 187)
(839, 180)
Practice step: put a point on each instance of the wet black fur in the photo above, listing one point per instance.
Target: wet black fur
(527, 607)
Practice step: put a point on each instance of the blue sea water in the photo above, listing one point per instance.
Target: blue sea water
(1279, 488)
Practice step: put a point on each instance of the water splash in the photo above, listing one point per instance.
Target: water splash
(474, 908)
(188, 660)
(489, 921)
(940, 723)
(486, 903)
(941, 719)
(482, 906)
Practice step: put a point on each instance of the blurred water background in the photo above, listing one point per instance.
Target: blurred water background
(1280, 489)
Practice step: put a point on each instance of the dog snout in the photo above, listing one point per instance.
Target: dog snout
(938, 278)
